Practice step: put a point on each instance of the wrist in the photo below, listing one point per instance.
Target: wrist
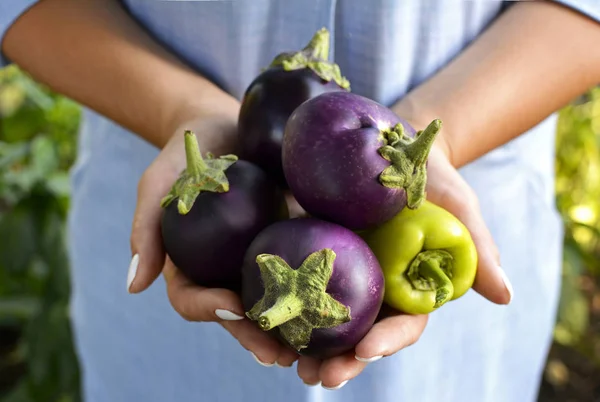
(205, 102)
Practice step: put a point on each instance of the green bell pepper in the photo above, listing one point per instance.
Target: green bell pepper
(427, 256)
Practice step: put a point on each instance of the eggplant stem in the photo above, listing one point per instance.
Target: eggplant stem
(284, 309)
(431, 271)
(200, 175)
(193, 157)
(295, 301)
(408, 160)
(314, 56)
(318, 47)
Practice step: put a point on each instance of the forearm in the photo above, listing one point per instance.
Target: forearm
(533, 60)
(93, 52)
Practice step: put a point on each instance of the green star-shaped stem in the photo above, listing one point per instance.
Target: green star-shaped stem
(296, 301)
(408, 157)
(432, 270)
(199, 175)
(315, 57)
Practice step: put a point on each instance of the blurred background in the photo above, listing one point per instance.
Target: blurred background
(38, 134)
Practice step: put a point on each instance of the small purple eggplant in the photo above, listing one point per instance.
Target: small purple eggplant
(213, 212)
(315, 284)
(272, 96)
(352, 161)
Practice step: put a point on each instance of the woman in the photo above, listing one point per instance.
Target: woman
(146, 70)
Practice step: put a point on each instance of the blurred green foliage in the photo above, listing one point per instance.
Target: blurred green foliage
(38, 132)
(37, 147)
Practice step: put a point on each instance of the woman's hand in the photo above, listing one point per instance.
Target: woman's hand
(395, 331)
(192, 302)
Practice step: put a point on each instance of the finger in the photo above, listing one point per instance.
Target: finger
(287, 357)
(195, 303)
(200, 304)
(308, 370)
(337, 371)
(390, 335)
(265, 349)
(490, 280)
(294, 208)
(146, 240)
(450, 191)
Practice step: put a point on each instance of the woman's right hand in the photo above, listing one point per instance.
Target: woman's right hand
(193, 303)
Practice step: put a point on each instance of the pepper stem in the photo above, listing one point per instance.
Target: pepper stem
(314, 56)
(200, 175)
(408, 158)
(431, 270)
(295, 301)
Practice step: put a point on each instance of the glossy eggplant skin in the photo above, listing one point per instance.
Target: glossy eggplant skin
(208, 243)
(357, 280)
(267, 104)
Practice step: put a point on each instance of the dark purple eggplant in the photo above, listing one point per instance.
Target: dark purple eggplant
(272, 96)
(213, 212)
(352, 161)
(315, 285)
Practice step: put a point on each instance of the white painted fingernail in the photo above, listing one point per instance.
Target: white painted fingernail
(368, 359)
(313, 385)
(340, 385)
(227, 315)
(260, 362)
(507, 283)
(133, 267)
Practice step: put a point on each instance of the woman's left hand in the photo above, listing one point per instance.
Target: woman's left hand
(395, 331)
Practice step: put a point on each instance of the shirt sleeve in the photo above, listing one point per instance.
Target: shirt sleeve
(10, 10)
(590, 8)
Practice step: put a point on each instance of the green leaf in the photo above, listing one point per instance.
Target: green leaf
(34, 92)
(44, 159)
(17, 239)
(59, 184)
(12, 98)
(23, 125)
(19, 307)
(573, 312)
(10, 154)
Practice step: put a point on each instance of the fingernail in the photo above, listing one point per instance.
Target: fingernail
(313, 385)
(368, 359)
(260, 362)
(279, 365)
(133, 267)
(507, 283)
(227, 315)
(340, 385)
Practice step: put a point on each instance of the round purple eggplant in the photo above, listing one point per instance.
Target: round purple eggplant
(352, 161)
(213, 212)
(290, 79)
(316, 285)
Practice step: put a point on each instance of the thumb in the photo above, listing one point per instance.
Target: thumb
(148, 255)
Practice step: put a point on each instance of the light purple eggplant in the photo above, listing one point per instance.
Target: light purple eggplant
(352, 161)
(315, 285)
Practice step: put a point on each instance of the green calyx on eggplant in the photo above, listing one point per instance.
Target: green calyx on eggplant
(290, 79)
(316, 286)
(350, 160)
(212, 213)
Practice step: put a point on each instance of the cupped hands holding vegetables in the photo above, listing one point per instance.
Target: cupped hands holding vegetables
(310, 288)
(193, 302)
